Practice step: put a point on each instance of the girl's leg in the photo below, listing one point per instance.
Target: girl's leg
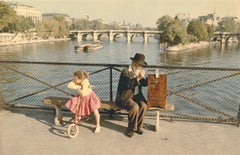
(77, 119)
(97, 118)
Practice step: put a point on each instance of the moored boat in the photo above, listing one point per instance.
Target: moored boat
(89, 47)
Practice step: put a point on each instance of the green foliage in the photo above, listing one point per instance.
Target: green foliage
(10, 22)
(83, 24)
(7, 17)
(228, 25)
(199, 29)
(163, 22)
(53, 28)
(97, 25)
(210, 31)
(23, 24)
(174, 32)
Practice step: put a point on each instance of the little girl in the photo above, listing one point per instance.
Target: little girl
(86, 101)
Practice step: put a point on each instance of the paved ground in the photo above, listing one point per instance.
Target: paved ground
(27, 132)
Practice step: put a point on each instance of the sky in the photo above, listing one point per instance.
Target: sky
(145, 12)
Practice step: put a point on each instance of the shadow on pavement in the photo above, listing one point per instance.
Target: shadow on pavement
(46, 117)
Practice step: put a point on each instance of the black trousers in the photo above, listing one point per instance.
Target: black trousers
(137, 108)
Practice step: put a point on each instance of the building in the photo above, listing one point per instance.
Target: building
(27, 11)
(210, 19)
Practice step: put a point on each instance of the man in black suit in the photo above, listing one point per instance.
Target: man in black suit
(129, 93)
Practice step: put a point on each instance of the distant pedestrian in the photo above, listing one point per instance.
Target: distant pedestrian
(129, 93)
(86, 102)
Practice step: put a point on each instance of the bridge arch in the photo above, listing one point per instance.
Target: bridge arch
(224, 37)
(231, 39)
(112, 34)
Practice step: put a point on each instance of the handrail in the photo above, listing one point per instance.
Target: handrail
(122, 65)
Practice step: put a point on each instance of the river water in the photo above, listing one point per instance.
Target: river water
(119, 52)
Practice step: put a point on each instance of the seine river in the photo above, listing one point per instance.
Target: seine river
(119, 52)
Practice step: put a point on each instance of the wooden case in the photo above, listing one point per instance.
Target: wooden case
(157, 90)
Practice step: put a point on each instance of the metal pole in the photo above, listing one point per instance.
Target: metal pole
(238, 116)
(111, 85)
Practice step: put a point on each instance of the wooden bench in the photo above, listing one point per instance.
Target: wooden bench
(58, 102)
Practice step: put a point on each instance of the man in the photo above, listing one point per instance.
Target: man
(129, 94)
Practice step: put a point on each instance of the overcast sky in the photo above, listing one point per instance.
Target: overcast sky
(145, 12)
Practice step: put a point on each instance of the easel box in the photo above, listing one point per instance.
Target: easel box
(157, 90)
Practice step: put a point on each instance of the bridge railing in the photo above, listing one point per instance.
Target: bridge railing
(201, 94)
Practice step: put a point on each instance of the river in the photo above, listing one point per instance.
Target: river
(119, 52)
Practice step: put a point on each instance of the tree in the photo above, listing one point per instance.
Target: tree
(23, 24)
(114, 27)
(199, 29)
(7, 17)
(57, 27)
(61, 26)
(238, 26)
(163, 22)
(228, 25)
(175, 33)
(81, 24)
(97, 25)
(46, 29)
(210, 31)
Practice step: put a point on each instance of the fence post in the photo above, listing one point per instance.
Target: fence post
(2, 102)
(238, 116)
(111, 84)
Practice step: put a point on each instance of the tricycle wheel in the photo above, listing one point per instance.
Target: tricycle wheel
(72, 131)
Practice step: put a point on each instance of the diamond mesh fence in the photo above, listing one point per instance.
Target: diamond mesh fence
(203, 94)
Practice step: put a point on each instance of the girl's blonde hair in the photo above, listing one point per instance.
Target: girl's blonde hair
(81, 74)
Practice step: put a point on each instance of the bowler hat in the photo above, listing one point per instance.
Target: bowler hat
(139, 58)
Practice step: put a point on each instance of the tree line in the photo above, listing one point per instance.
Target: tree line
(175, 31)
(10, 22)
(55, 27)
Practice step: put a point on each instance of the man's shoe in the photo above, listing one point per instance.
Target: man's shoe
(130, 133)
(140, 132)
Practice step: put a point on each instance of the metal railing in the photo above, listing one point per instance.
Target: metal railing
(201, 94)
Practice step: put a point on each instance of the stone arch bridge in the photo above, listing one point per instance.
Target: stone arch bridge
(112, 34)
(224, 37)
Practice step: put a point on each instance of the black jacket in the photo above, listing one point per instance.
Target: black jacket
(126, 87)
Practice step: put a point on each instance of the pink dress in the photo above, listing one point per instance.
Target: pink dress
(85, 102)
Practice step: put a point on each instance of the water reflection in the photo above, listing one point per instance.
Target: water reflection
(119, 52)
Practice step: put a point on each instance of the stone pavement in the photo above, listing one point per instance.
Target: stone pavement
(31, 132)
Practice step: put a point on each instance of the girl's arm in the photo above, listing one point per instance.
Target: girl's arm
(73, 85)
(86, 88)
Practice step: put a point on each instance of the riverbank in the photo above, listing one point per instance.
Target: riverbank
(10, 43)
(180, 47)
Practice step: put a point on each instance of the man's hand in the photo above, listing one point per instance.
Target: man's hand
(141, 75)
